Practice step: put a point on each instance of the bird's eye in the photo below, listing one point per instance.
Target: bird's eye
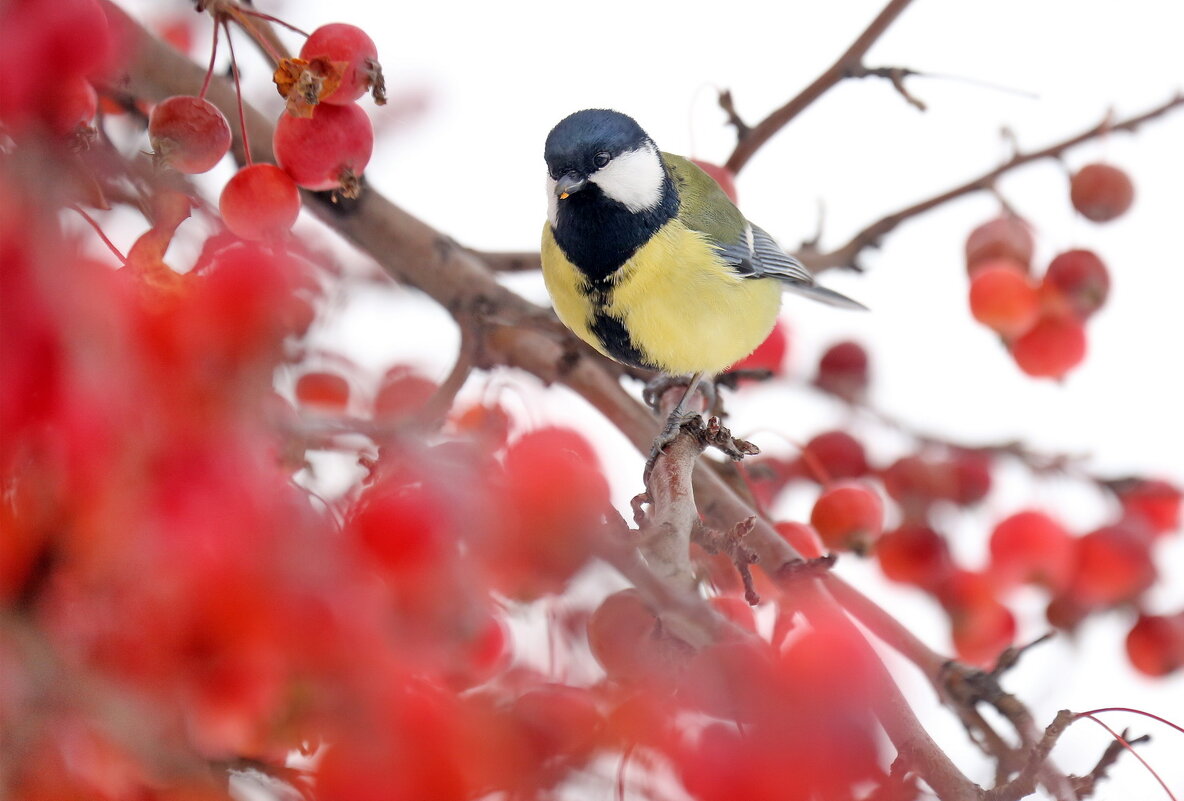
(601, 158)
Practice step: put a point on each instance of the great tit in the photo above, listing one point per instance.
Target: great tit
(648, 261)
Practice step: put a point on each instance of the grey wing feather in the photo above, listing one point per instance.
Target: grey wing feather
(758, 255)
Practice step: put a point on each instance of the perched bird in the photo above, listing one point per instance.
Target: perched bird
(648, 261)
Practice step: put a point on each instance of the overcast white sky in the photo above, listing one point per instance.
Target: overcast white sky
(499, 75)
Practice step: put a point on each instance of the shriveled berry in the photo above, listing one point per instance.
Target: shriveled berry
(189, 134)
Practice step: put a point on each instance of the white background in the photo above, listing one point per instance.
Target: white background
(497, 76)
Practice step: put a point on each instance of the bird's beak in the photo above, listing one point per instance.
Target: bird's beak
(569, 184)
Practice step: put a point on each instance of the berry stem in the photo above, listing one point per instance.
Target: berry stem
(252, 12)
(205, 85)
(1164, 721)
(247, 24)
(238, 94)
(98, 230)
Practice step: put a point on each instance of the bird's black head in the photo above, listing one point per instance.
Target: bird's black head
(586, 141)
(608, 189)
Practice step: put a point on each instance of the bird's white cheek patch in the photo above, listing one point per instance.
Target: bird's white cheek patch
(633, 179)
(552, 201)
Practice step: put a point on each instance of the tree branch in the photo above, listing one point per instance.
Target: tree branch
(848, 64)
(871, 236)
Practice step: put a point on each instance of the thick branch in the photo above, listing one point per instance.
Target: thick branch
(847, 65)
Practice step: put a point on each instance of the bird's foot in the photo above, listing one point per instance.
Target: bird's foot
(659, 385)
(669, 433)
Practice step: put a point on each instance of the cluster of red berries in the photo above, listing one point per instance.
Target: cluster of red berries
(1107, 568)
(1042, 322)
(323, 142)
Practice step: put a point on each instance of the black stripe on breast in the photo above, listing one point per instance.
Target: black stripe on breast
(615, 339)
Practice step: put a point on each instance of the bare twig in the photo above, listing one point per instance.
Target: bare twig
(848, 62)
(872, 235)
(1085, 785)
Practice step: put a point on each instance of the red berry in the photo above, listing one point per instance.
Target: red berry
(352, 50)
(74, 103)
(981, 625)
(971, 474)
(915, 554)
(621, 633)
(1006, 237)
(843, 371)
(1112, 565)
(1053, 347)
(848, 516)
(769, 355)
(982, 631)
(188, 133)
(1154, 503)
(1155, 644)
(260, 202)
(736, 610)
(1004, 300)
(1101, 192)
(1077, 281)
(402, 392)
(915, 483)
(558, 721)
(553, 502)
(802, 537)
(1031, 547)
(722, 175)
(322, 390)
(328, 150)
(834, 455)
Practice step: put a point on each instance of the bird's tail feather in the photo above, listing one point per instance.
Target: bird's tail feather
(824, 295)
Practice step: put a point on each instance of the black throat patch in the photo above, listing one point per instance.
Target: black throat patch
(599, 234)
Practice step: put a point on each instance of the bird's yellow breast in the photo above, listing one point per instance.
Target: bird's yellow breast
(684, 309)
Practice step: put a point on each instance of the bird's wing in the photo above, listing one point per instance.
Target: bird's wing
(746, 248)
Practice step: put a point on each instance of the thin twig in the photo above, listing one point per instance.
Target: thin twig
(871, 236)
(98, 230)
(850, 60)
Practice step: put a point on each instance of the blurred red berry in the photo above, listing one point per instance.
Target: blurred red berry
(1153, 502)
(1005, 237)
(1076, 282)
(843, 371)
(915, 554)
(1112, 565)
(1155, 644)
(770, 354)
(1004, 300)
(1051, 348)
(722, 175)
(323, 391)
(802, 537)
(848, 516)
(834, 455)
(1031, 547)
(1101, 192)
(402, 392)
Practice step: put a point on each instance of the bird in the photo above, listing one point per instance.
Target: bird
(647, 260)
